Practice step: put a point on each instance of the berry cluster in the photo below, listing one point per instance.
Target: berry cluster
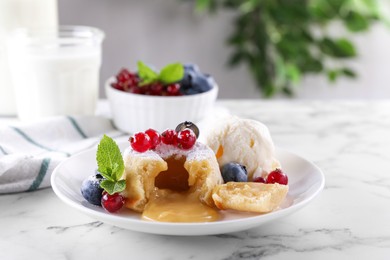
(130, 82)
(150, 139)
(94, 194)
(276, 176)
(238, 173)
(184, 137)
(126, 81)
(193, 81)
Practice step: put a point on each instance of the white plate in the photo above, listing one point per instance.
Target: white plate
(305, 182)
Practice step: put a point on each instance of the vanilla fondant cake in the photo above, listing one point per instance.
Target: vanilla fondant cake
(169, 167)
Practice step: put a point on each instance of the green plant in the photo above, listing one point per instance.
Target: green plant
(282, 40)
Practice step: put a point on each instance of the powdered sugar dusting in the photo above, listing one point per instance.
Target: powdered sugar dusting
(198, 152)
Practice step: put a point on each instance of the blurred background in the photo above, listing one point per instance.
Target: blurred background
(160, 32)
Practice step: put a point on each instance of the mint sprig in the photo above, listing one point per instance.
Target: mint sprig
(147, 74)
(171, 73)
(113, 186)
(110, 165)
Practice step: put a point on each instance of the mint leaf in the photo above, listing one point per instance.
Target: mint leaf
(146, 82)
(147, 74)
(117, 171)
(113, 186)
(171, 73)
(110, 165)
(120, 186)
(107, 176)
(109, 159)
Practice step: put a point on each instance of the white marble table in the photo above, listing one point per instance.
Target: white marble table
(350, 219)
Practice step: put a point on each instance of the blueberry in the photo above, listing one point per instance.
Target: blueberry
(194, 81)
(234, 172)
(91, 190)
(210, 80)
(191, 66)
(189, 75)
(188, 124)
(202, 83)
(188, 91)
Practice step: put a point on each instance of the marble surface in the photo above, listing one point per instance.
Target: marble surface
(350, 219)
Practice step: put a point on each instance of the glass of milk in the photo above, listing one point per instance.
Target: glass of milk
(15, 14)
(55, 71)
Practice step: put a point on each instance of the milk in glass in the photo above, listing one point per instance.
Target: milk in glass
(15, 14)
(56, 72)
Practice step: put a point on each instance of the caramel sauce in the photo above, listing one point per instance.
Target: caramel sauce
(175, 178)
(170, 206)
(173, 201)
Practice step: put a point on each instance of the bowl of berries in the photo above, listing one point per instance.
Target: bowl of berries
(148, 98)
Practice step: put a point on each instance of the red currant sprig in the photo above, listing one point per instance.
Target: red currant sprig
(276, 176)
(143, 141)
(126, 81)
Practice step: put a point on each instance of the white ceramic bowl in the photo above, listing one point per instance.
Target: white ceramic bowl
(134, 112)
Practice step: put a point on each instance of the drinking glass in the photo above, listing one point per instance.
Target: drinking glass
(55, 71)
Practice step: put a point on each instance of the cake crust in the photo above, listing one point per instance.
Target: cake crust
(249, 196)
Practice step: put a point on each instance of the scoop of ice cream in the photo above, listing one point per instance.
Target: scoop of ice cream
(244, 141)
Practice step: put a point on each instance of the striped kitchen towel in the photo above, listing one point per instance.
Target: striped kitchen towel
(30, 152)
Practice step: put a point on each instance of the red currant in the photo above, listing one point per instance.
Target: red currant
(112, 203)
(156, 89)
(140, 142)
(277, 176)
(133, 81)
(123, 76)
(117, 86)
(259, 179)
(136, 90)
(186, 139)
(155, 137)
(126, 80)
(146, 89)
(169, 136)
(173, 89)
